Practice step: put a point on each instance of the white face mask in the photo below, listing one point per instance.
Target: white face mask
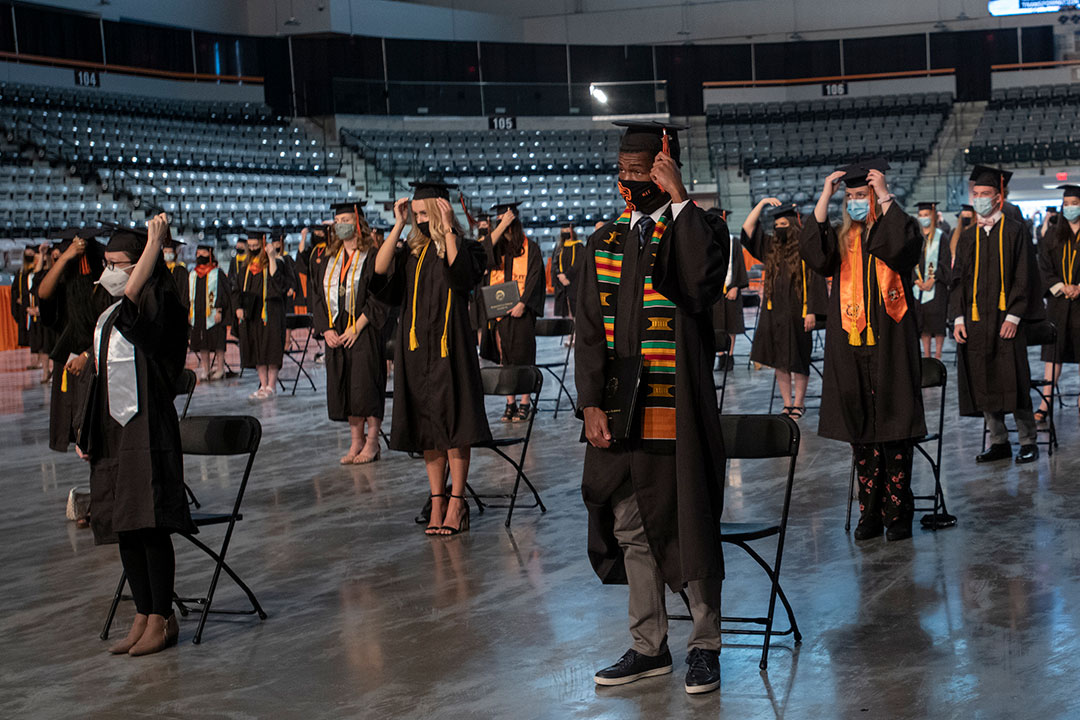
(114, 281)
(170, 257)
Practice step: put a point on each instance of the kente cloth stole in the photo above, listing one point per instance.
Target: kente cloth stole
(519, 272)
(211, 297)
(657, 337)
(859, 286)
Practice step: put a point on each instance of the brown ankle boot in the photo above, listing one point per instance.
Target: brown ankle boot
(138, 626)
(160, 634)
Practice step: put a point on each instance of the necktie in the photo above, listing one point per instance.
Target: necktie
(645, 229)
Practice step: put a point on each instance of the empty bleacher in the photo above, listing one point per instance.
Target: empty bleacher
(1029, 125)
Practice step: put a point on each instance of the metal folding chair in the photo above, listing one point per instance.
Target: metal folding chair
(1041, 333)
(561, 328)
(295, 321)
(723, 340)
(221, 435)
(760, 437)
(934, 375)
(502, 381)
(185, 385)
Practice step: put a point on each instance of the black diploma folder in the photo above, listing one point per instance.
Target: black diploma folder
(622, 382)
(498, 299)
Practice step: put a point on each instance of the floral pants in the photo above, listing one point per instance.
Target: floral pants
(884, 472)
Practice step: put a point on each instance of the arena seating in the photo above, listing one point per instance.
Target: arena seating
(1029, 125)
(802, 185)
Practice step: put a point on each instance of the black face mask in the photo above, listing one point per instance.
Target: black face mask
(964, 222)
(202, 260)
(425, 228)
(643, 195)
(28, 259)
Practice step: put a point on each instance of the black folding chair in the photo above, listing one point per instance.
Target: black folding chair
(561, 328)
(185, 385)
(723, 340)
(760, 437)
(1040, 333)
(934, 375)
(294, 321)
(503, 381)
(221, 435)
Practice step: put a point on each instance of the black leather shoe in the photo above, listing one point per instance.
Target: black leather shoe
(704, 673)
(900, 531)
(634, 666)
(867, 530)
(1001, 451)
(1028, 453)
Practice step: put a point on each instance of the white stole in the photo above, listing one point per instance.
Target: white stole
(120, 374)
(332, 282)
(211, 297)
(931, 257)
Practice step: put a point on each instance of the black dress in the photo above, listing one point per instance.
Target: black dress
(203, 338)
(1060, 263)
(728, 314)
(438, 396)
(781, 340)
(681, 509)
(517, 335)
(993, 373)
(870, 393)
(932, 306)
(355, 376)
(137, 470)
(262, 339)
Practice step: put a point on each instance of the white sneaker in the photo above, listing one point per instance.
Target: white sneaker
(257, 395)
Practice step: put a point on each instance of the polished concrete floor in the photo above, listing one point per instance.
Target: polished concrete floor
(370, 619)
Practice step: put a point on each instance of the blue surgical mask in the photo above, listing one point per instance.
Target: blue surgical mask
(925, 221)
(1071, 212)
(983, 205)
(858, 209)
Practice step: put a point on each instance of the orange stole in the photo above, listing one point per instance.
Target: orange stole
(519, 271)
(853, 311)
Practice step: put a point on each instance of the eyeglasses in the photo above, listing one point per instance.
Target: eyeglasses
(120, 266)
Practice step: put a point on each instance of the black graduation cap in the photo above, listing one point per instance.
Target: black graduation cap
(648, 136)
(501, 207)
(991, 176)
(348, 206)
(967, 208)
(205, 246)
(426, 189)
(1052, 208)
(258, 233)
(123, 238)
(856, 172)
(927, 205)
(786, 210)
(1070, 191)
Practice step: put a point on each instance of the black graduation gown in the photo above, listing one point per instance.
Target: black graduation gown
(262, 343)
(517, 336)
(179, 274)
(931, 316)
(42, 338)
(780, 340)
(680, 513)
(568, 260)
(870, 393)
(137, 471)
(20, 302)
(728, 314)
(314, 258)
(1060, 263)
(438, 401)
(355, 376)
(71, 313)
(477, 313)
(993, 373)
(202, 338)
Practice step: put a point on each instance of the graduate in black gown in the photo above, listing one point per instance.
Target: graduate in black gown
(565, 267)
(259, 299)
(310, 256)
(438, 393)
(20, 296)
(288, 266)
(519, 259)
(1061, 277)
(42, 338)
(70, 301)
(477, 312)
(208, 304)
(650, 280)
(350, 318)
(131, 436)
(871, 394)
(932, 281)
(177, 269)
(793, 298)
(728, 311)
(991, 299)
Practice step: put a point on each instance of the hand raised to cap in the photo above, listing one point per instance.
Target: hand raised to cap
(665, 173)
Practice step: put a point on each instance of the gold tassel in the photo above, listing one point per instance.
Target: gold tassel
(975, 285)
(63, 381)
(853, 334)
(1001, 264)
(869, 332)
(446, 325)
(768, 305)
(804, 289)
(413, 342)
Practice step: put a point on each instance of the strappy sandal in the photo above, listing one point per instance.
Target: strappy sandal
(797, 412)
(523, 413)
(1041, 415)
(510, 413)
(787, 411)
(433, 530)
(463, 526)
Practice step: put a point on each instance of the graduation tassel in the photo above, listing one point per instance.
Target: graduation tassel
(63, 381)
(975, 285)
(804, 288)
(413, 342)
(1001, 263)
(871, 275)
(445, 348)
(853, 335)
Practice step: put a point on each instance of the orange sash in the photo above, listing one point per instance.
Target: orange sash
(853, 316)
(519, 271)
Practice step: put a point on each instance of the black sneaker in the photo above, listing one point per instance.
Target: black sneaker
(704, 673)
(899, 531)
(867, 529)
(634, 666)
(509, 414)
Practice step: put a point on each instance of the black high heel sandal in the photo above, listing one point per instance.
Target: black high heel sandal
(432, 530)
(464, 525)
